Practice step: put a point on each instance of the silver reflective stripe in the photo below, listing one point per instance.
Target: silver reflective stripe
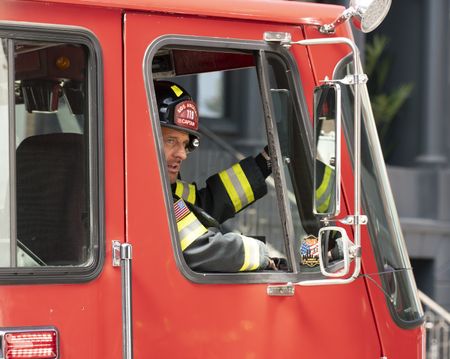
(186, 191)
(251, 254)
(189, 229)
(237, 186)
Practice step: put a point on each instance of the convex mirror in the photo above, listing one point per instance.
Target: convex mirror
(327, 157)
(334, 247)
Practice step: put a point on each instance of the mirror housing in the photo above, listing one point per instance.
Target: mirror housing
(366, 15)
(327, 156)
(334, 252)
(369, 14)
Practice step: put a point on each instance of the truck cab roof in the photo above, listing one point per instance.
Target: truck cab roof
(262, 10)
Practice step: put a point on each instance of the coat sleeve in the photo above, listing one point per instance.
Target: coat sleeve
(208, 250)
(227, 192)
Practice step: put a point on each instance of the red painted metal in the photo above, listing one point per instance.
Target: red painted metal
(205, 320)
(174, 317)
(83, 313)
(289, 12)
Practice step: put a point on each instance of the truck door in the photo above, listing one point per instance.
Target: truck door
(60, 295)
(179, 311)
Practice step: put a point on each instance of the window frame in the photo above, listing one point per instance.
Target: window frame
(374, 156)
(71, 35)
(304, 122)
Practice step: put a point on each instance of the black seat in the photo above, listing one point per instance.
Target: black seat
(51, 198)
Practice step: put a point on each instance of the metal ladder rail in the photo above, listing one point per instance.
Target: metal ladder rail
(437, 326)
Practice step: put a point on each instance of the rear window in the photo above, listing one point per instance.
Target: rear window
(48, 165)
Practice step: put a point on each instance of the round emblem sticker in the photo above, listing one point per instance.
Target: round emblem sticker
(186, 115)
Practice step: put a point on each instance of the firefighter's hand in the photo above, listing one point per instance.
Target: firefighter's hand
(276, 263)
(263, 162)
(271, 265)
(280, 263)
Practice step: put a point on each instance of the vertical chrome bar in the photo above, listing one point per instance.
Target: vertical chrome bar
(12, 157)
(357, 163)
(127, 323)
(357, 160)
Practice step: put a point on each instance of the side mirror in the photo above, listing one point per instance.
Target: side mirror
(365, 14)
(327, 156)
(368, 15)
(334, 252)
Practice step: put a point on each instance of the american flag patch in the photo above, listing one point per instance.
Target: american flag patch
(310, 247)
(180, 209)
(309, 251)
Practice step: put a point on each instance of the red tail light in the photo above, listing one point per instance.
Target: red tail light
(32, 344)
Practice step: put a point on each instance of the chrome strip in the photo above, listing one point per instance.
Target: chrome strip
(127, 323)
(12, 157)
(357, 158)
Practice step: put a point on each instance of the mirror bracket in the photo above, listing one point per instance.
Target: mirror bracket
(366, 15)
(281, 38)
(351, 79)
(331, 28)
(355, 251)
(352, 220)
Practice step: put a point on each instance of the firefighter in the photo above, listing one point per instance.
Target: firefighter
(199, 212)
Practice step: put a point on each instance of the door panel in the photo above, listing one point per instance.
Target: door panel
(174, 317)
(86, 314)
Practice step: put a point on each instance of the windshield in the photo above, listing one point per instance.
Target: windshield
(378, 204)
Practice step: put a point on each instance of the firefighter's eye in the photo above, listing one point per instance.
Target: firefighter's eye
(174, 143)
(171, 142)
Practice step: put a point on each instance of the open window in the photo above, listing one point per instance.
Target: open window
(48, 175)
(247, 99)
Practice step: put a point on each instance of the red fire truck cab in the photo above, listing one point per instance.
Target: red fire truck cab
(91, 264)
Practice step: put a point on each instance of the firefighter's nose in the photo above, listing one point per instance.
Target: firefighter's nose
(181, 152)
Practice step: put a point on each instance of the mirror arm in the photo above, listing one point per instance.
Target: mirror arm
(331, 28)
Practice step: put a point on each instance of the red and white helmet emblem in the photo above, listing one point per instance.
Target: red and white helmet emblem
(186, 115)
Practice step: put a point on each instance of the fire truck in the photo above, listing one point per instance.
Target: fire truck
(91, 264)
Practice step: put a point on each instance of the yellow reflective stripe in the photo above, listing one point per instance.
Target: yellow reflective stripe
(231, 190)
(325, 205)
(251, 254)
(248, 191)
(325, 181)
(186, 191)
(191, 195)
(179, 189)
(189, 229)
(176, 90)
(322, 191)
(237, 186)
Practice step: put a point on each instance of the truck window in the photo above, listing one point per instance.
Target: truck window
(46, 193)
(226, 85)
(385, 232)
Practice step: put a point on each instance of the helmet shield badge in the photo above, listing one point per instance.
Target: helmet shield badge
(186, 115)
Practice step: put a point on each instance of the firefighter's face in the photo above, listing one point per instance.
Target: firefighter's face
(175, 144)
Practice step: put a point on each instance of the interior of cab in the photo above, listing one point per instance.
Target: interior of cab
(51, 158)
(226, 85)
